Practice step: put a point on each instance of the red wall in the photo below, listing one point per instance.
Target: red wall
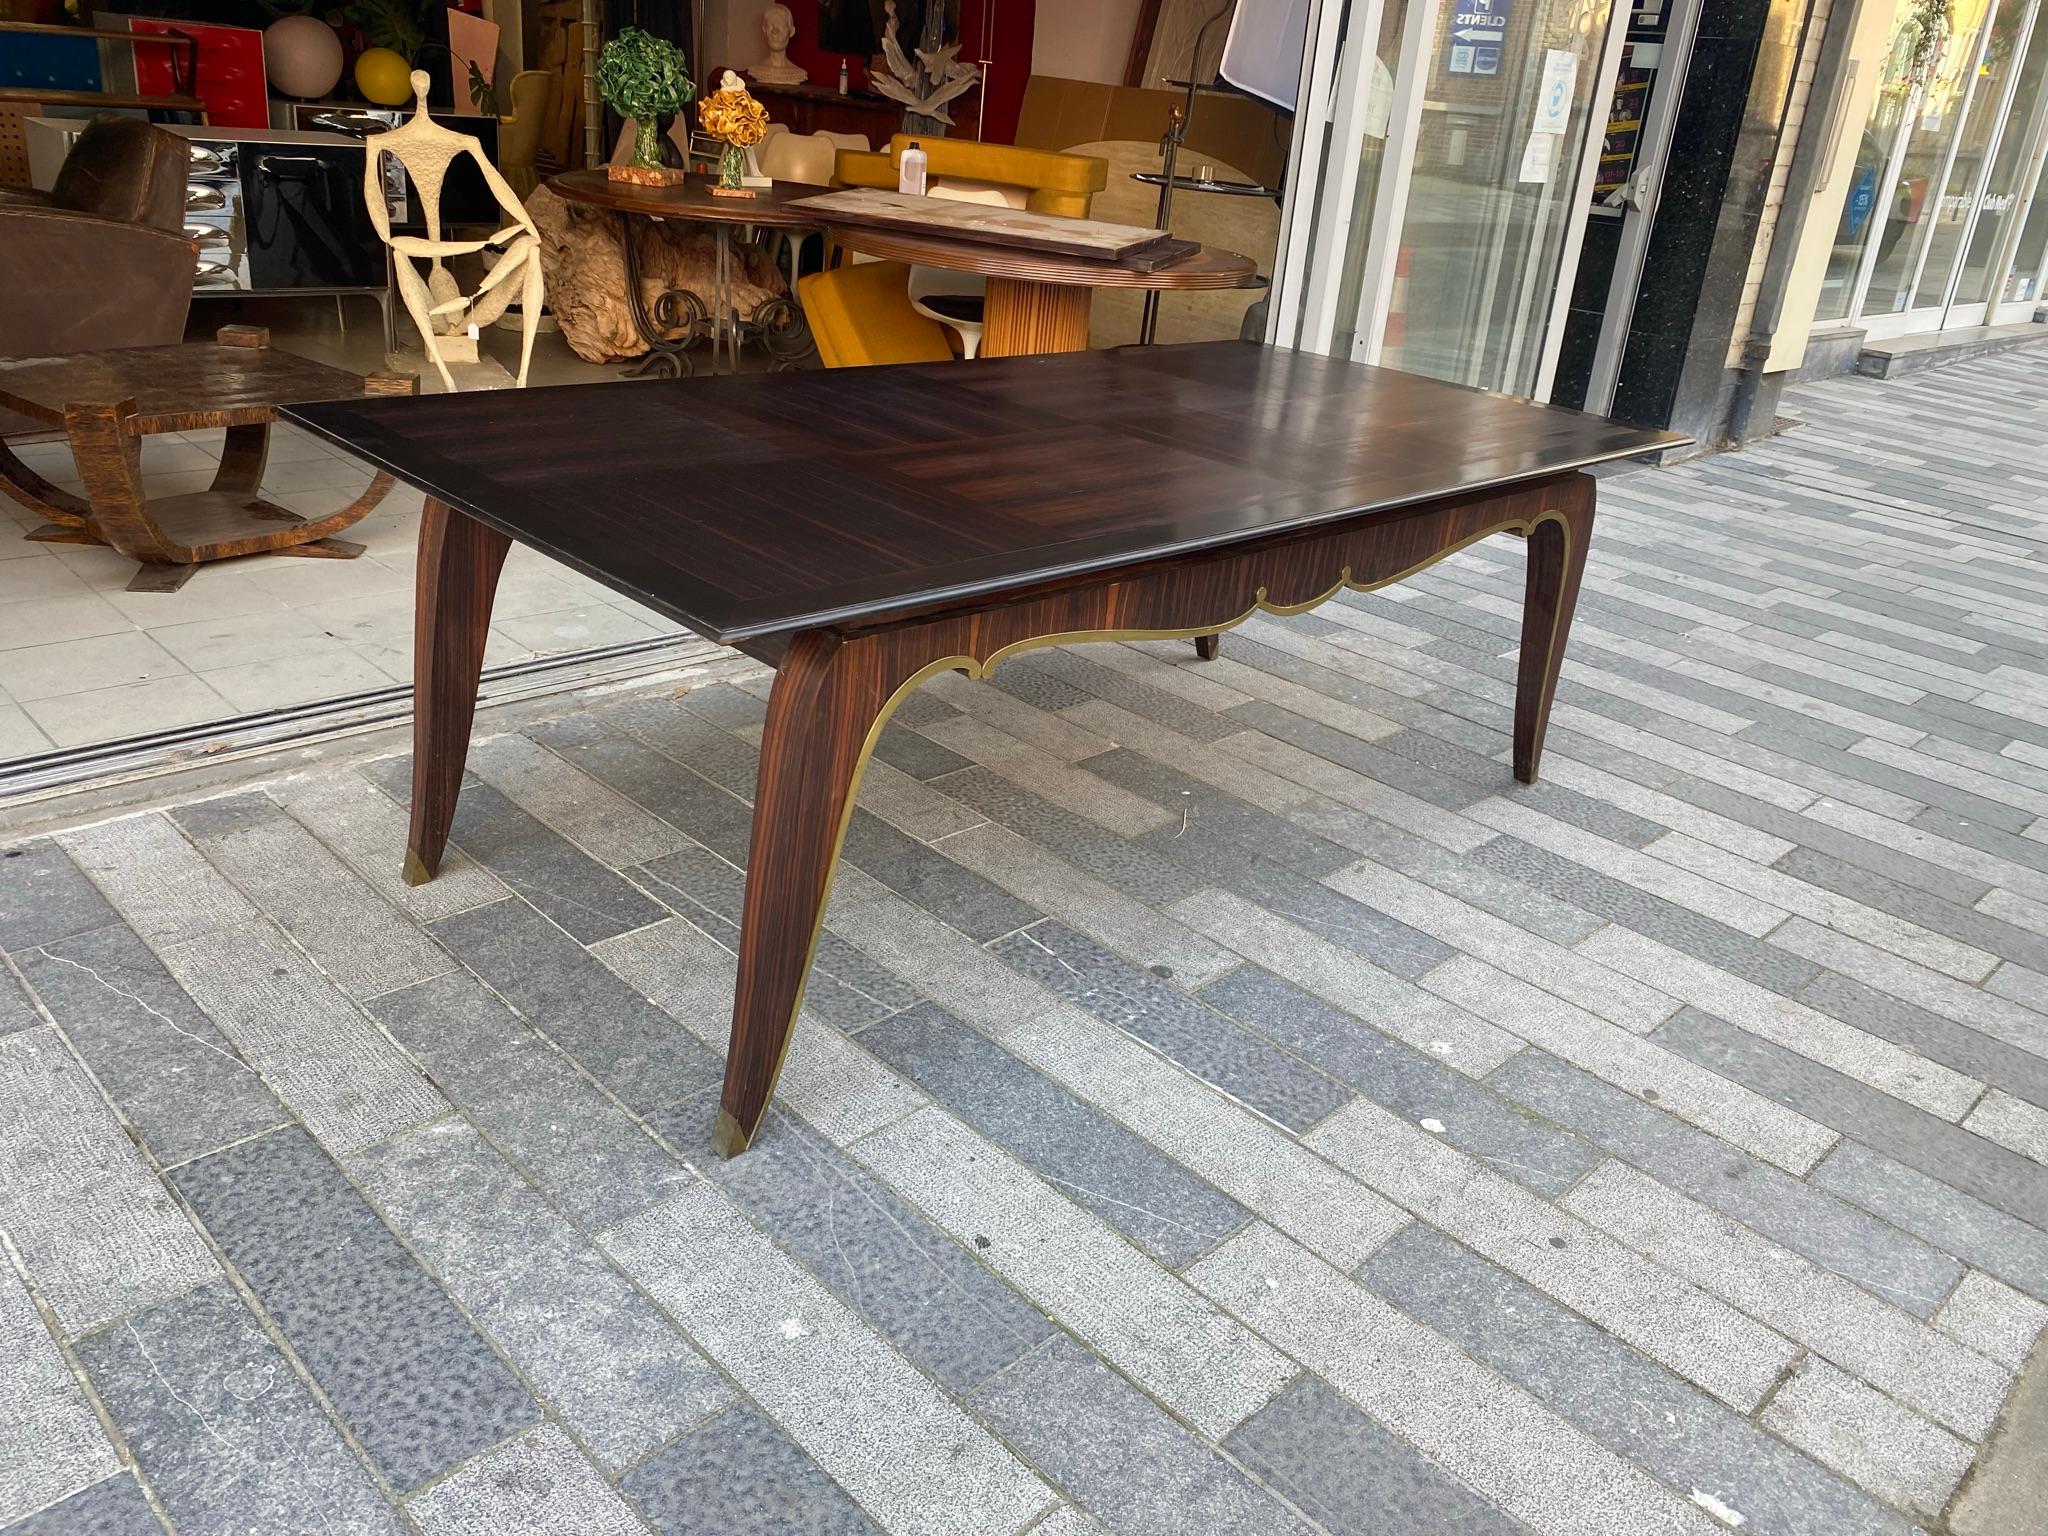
(1008, 51)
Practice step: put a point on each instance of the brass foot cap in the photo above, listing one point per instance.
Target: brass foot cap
(416, 871)
(727, 1139)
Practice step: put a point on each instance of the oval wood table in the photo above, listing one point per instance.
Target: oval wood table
(777, 322)
(1038, 301)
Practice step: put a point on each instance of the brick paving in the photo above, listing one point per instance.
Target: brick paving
(1226, 1102)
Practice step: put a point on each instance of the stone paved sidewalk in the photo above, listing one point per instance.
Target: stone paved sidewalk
(1227, 1103)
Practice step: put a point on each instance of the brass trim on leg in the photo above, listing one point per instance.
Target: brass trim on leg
(415, 871)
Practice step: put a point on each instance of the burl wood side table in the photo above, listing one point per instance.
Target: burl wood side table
(107, 402)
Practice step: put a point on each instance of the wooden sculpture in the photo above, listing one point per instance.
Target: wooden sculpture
(435, 302)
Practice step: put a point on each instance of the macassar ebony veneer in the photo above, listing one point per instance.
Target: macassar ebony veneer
(862, 530)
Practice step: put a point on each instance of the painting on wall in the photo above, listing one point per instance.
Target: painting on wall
(856, 26)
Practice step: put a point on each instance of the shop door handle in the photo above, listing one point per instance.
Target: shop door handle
(1638, 192)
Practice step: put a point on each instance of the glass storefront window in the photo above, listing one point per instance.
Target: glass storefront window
(2005, 191)
(1974, 148)
(2031, 258)
(1941, 168)
(1915, 201)
(1865, 207)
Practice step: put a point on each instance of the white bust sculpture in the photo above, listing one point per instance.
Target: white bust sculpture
(778, 27)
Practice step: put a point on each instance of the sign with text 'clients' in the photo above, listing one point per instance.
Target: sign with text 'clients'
(1477, 27)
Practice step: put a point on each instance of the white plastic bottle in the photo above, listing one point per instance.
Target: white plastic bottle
(842, 77)
(910, 170)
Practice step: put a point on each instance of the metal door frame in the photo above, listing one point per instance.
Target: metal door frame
(1638, 222)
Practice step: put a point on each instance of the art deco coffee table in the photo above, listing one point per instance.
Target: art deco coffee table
(860, 530)
(107, 402)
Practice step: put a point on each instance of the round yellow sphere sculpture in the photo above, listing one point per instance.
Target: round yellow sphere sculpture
(383, 76)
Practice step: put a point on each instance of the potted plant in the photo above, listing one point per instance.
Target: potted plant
(732, 116)
(645, 78)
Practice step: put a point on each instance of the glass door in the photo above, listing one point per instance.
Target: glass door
(1446, 206)
(1996, 246)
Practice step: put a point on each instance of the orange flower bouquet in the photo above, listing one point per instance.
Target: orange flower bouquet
(732, 116)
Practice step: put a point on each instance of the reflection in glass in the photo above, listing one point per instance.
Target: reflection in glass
(2004, 192)
(1914, 202)
(1489, 200)
(2030, 263)
(1974, 145)
(1372, 154)
(1865, 209)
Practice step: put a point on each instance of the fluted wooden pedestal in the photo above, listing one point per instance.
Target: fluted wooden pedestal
(1025, 318)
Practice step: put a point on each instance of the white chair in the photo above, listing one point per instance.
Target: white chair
(959, 296)
(805, 158)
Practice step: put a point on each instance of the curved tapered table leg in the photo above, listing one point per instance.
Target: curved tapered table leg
(829, 697)
(244, 453)
(1206, 647)
(459, 562)
(1557, 559)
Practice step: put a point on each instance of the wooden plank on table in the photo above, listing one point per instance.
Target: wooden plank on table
(1088, 239)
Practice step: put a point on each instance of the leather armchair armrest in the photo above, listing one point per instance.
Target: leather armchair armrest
(96, 283)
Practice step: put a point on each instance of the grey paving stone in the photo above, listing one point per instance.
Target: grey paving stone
(1667, 922)
(1364, 930)
(1846, 847)
(740, 1476)
(906, 1452)
(718, 818)
(95, 1228)
(1626, 1402)
(919, 708)
(1350, 1475)
(357, 937)
(1135, 870)
(1130, 1184)
(1223, 816)
(956, 895)
(574, 1142)
(1866, 1436)
(622, 1039)
(2019, 1072)
(1471, 1422)
(1459, 875)
(936, 1304)
(670, 726)
(725, 705)
(845, 988)
(614, 1369)
(1879, 1257)
(44, 897)
(1072, 666)
(1975, 833)
(919, 756)
(410, 1378)
(50, 1442)
(1024, 677)
(114, 1507)
(158, 1057)
(600, 821)
(1912, 786)
(1122, 1456)
(538, 1485)
(225, 1431)
(1214, 1048)
(1371, 761)
(1978, 1167)
(1510, 1140)
(17, 1009)
(1924, 1205)
(538, 863)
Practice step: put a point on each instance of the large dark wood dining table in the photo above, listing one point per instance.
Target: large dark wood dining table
(860, 530)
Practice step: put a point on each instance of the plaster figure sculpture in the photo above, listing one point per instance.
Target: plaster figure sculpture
(435, 302)
(778, 27)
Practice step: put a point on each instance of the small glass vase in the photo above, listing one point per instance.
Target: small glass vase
(731, 164)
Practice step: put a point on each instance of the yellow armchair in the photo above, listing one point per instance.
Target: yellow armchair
(1062, 184)
(861, 315)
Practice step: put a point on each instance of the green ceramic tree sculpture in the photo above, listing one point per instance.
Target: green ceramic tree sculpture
(644, 77)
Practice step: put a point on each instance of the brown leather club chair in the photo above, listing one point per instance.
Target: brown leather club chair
(102, 261)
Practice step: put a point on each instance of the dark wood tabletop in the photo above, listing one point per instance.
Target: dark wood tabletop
(177, 388)
(763, 505)
(691, 200)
